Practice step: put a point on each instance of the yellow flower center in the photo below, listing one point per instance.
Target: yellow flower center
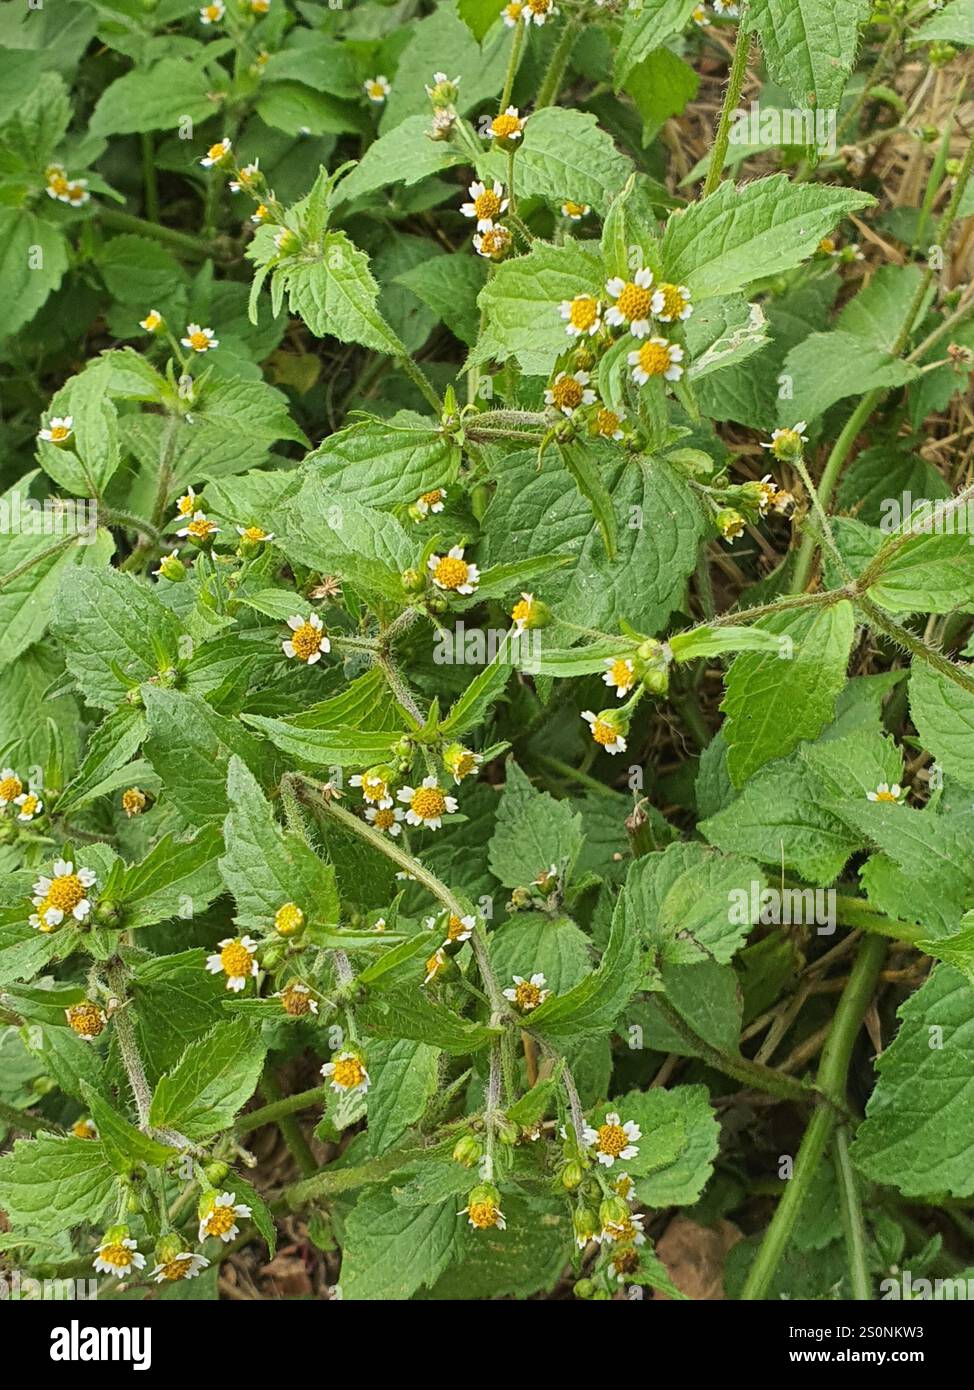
(215, 151)
(377, 90)
(200, 529)
(435, 963)
(348, 1073)
(521, 611)
(288, 919)
(83, 1129)
(451, 572)
(10, 787)
(826, 245)
(514, 9)
(574, 209)
(178, 1268)
(527, 995)
(885, 796)
(385, 819)
(673, 301)
(603, 732)
(623, 1231)
(254, 533)
(59, 434)
(787, 442)
(66, 892)
(483, 1215)
(295, 1001)
(462, 764)
(86, 1019)
(218, 1221)
(118, 1255)
(236, 960)
(607, 422)
(133, 801)
(654, 359)
(431, 498)
(622, 676)
(306, 640)
(456, 928)
(633, 303)
(374, 788)
(567, 393)
(199, 342)
(612, 1140)
(429, 802)
(495, 241)
(584, 311)
(29, 806)
(262, 212)
(185, 504)
(488, 204)
(539, 6)
(504, 125)
(625, 1261)
(58, 184)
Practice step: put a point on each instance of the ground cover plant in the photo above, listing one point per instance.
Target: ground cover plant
(486, 592)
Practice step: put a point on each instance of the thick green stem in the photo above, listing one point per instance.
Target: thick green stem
(517, 43)
(291, 1132)
(553, 78)
(193, 246)
(852, 1222)
(732, 97)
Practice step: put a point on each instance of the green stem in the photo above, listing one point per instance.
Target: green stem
(149, 177)
(517, 43)
(291, 1132)
(194, 246)
(553, 78)
(916, 646)
(28, 1124)
(422, 383)
(831, 1080)
(732, 97)
(852, 1222)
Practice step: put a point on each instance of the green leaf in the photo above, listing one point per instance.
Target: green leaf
(932, 573)
(953, 24)
(443, 41)
(403, 1011)
(533, 941)
(251, 410)
(593, 1006)
(212, 1080)
(478, 16)
(125, 1146)
(647, 27)
(918, 1134)
(944, 717)
(564, 154)
(404, 1075)
(810, 48)
(156, 97)
(33, 260)
(828, 367)
(177, 877)
(740, 234)
(405, 154)
(775, 700)
(390, 1251)
(265, 867)
(449, 285)
(338, 535)
(335, 294)
(344, 747)
(484, 690)
(533, 831)
(49, 1185)
(380, 463)
(680, 1182)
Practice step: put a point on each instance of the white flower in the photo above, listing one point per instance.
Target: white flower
(245, 177)
(201, 528)
(58, 429)
(185, 1265)
(568, 391)
(575, 211)
(118, 1257)
(213, 12)
(509, 125)
(219, 1217)
(10, 787)
(347, 1074)
(386, 818)
(427, 804)
(61, 896)
(537, 11)
(629, 1231)
(451, 571)
(458, 928)
(887, 793)
(76, 193)
(309, 640)
(377, 88)
(656, 357)
(613, 1139)
(633, 302)
(583, 314)
(726, 8)
(527, 994)
(671, 302)
(375, 787)
(609, 738)
(296, 999)
(700, 17)
(236, 959)
(621, 674)
(787, 435)
(512, 13)
(152, 321)
(199, 339)
(430, 501)
(217, 153)
(30, 805)
(486, 204)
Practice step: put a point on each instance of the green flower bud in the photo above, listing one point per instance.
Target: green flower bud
(467, 1151)
(508, 1132)
(216, 1172)
(412, 580)
(584, 1288)
(108, 913)
(521, 898)
(444, 92)
(168, 1247)
(272, 956)
(729, 523)
(572, 1175)
(585, 1224)
(656, 682)
(613, 1211)
(172, 568)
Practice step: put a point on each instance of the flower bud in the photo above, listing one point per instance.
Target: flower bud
(412, 580)
(613, 1211)
(467, 1151)
(729, 523)
(216, 1172)
(172, 568)
(584, 1288)
(585, 1224)
(656, 682)
(572, 1175)
(108, 914)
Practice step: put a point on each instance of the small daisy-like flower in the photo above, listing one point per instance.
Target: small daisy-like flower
(671, 302)
(727, 8)
(308, 639)
(656, 357)
(375, 785)
(527, 994)
(118, 1254)
(700, 17)
(377, 88)
(430, 501)
(568, 391)
(296, 1000)
(767, 490)
(730, 523)
(627, 1231)
(86, 1019)
(457, 928)
(199, 339)
(288, 919)
(64, 895)
(623, 1185)
(76, 193)
(134, 801)
(186, 503)
(262, 213)
(613, 1139)
(58, 429)
(884, 792)
(236, 960)
(438, 961)
(537, 11)
(201, 529)
(624, 1262)
(483, 1208)
(347, 1074)
(787, 444)
(10, 787)
(246, 177)
(633, 302)
(461, 762)
(508, 126)
(583, 314)
(486, 204)
(523, 611)
(621, 674)
(57, 181)
(256, 535)
(219, 1216)
(385, 818)
(84, 1129)
(213, 12)
(605, 733)
(152, 321)
(827, 246)
(493, 243)
(260, 6)
(185, 1265)
(575, 211)
(608, 423)
(451, 571)
(512, 13)
(547, 879)
(427, 804)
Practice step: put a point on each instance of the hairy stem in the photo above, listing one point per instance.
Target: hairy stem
(735, 82)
